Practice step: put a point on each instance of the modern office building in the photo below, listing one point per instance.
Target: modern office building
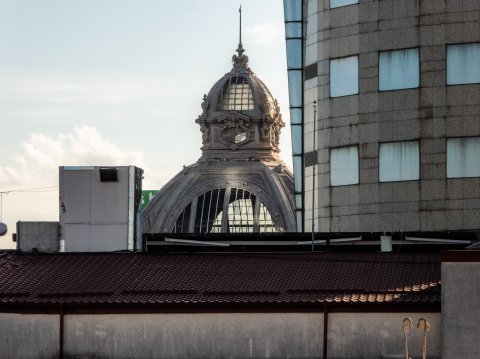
(240, 184)
(385, 111)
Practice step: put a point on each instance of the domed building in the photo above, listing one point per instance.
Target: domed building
(239, 184)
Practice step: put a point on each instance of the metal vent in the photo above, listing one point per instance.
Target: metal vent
(311, 71)
(108, 174)
(311, 159)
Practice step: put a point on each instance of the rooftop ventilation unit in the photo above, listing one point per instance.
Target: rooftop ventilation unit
(100, 208)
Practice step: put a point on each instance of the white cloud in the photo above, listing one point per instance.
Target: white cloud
(41, 156)
(265, 34)
(87, 146)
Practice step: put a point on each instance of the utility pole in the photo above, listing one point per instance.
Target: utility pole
(313, 170)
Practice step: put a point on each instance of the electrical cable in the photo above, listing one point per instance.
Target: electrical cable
(24, 190)
(37, 189)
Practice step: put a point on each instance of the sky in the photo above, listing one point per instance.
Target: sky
(118, 82)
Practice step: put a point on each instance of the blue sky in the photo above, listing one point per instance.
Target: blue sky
(118, 82)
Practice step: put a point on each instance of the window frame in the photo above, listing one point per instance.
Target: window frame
(330, 76)
(446, 157)
(340, 6)
(231, 99)
(400, 180)
(330, 165)
(446, 64)
(419, 69)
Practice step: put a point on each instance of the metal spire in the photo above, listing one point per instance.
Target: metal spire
(240, 49)
(240, 32)
(240, 61)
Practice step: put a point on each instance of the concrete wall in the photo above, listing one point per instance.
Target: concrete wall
(380, 335)
(461, 310)
(195, 335)
(218, 335)
(29, 336)
(41, 236)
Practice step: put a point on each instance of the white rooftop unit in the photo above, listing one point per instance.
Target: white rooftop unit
(100, 208)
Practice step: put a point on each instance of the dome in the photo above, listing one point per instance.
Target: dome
(239, 184)
(226, 197)
(240, 114)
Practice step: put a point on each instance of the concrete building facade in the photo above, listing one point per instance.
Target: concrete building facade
(396, 85)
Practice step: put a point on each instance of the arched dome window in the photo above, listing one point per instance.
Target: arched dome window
(245, 213)
(236, 95)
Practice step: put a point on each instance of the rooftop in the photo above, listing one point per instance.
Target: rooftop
(212, 279)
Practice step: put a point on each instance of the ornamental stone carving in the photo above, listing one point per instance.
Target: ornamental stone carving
(236, 130)
(202, 121)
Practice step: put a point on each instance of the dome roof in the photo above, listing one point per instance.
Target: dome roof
(240, 114)
(240, 184)
(241, 90)
(224, 196)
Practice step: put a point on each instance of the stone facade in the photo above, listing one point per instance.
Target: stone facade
(428, 114)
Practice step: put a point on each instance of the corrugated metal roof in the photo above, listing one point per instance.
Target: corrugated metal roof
(223, 278)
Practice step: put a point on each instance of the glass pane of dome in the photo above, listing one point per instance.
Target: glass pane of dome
(181, 225)
(265, 220)
(236, 95)
(245, 214)
(209, 205)
(240, 213)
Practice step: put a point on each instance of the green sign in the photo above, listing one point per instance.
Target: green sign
(147, 196)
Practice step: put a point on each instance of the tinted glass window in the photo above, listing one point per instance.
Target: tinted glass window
(399, 161)
(293, 10)
(344, 76)
(463, 157)
(463, 64)
(338, 3)
(344, 166)
(295, 88)
(294, 53)
(398, 70)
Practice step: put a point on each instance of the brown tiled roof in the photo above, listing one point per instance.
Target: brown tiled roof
(224, 278)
